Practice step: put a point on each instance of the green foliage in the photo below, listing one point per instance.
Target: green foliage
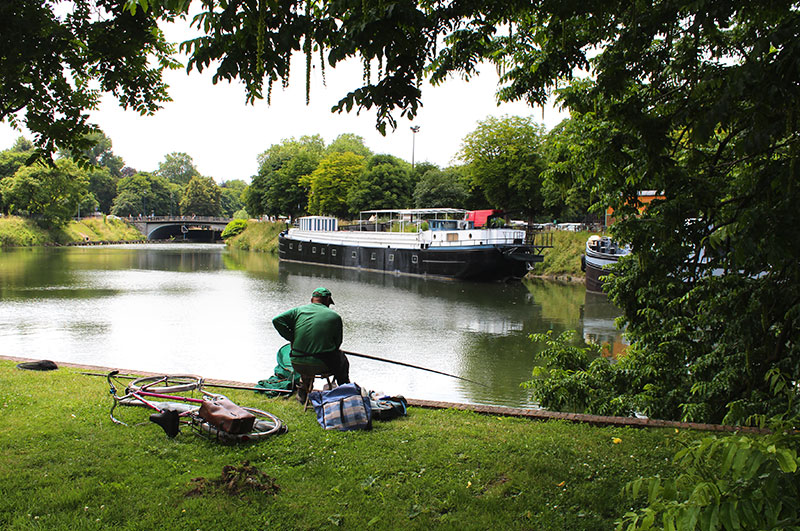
(201, 197)
(233, 228)
(384, 183)
(230, 201)
(103, 186)
(349, 143)
(241, 214)
(439, 188)
(733, 482)
(329, 183)
(505, 162)
(573, 378)
(97, 153)
(145, 194)
(177, 168)
(278, 188)
(58, 58)
(48, 194)
(568, 192)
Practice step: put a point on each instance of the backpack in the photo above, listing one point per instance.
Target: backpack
(387, 407)
(344, 408)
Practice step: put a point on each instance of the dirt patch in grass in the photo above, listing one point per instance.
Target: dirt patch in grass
(235, 481)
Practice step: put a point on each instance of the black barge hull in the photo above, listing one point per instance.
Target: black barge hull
(485, 263)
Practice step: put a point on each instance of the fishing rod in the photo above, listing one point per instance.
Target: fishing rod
(205, 384)
(356, 354)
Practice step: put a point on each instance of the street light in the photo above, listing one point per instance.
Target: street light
(414, 131)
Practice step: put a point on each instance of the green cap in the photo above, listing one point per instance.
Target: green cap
(322, 292)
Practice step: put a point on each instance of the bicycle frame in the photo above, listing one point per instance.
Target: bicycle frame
(140, 394)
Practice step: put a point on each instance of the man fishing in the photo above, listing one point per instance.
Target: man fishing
(315, 333)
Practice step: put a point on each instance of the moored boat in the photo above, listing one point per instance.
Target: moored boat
(600, 253)
(427, 242)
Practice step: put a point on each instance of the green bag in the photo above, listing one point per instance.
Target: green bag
(284, 378)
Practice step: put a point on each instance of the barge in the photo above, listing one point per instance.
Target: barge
(424, 242)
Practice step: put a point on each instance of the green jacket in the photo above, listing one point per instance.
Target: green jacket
(311, 329)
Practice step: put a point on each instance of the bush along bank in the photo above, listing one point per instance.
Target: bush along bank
(22, 232)
(259, 236)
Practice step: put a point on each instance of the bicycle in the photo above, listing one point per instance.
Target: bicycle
(241, 424)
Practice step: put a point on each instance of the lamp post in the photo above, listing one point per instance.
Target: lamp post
(414, 131)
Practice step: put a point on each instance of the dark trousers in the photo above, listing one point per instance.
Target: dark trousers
(335, 362)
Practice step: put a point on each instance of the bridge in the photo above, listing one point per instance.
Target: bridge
(180, 227)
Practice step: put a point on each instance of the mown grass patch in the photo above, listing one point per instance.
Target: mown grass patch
(65, 465)
(258, 236)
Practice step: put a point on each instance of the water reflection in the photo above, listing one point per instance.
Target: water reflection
(205, 310)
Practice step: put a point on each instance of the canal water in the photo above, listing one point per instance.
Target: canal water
(203, 309)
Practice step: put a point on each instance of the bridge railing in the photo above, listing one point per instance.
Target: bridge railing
(190, 219)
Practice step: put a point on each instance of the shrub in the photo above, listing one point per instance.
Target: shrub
(233, 228)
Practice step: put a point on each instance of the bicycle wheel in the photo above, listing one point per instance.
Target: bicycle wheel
(266, 424)
(176, 383)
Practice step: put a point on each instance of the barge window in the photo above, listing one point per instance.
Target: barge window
(372, 257)
(391, 258)
(414, 259)
(322, 250)
(291, 246)
(354, 255)
(313, 250)
(333, 252)
(299, 246)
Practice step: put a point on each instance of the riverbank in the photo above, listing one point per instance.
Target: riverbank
(257, 236)
(73, 468)
(21, 232)
(563, 262)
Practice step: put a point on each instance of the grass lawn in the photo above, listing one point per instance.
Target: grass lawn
(65, 465)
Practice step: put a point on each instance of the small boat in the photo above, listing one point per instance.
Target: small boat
(437, 242)
(601, 252)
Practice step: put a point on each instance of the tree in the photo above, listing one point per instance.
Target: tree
(13, 159)
(98, 153)
(202, 197)
(330, 182)
(695, 100)
(439, 189)
(231, 193)
(504, 157)
(278, 187)
(48, 194)
(103, 187)
(145, 194)
(349, 143)
(384, 183)
(566, 187)
(177, 168)
(54, 59)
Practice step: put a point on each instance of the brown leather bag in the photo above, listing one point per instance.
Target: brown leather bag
(227, 416)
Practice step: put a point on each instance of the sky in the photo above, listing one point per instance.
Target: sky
(224, 135)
